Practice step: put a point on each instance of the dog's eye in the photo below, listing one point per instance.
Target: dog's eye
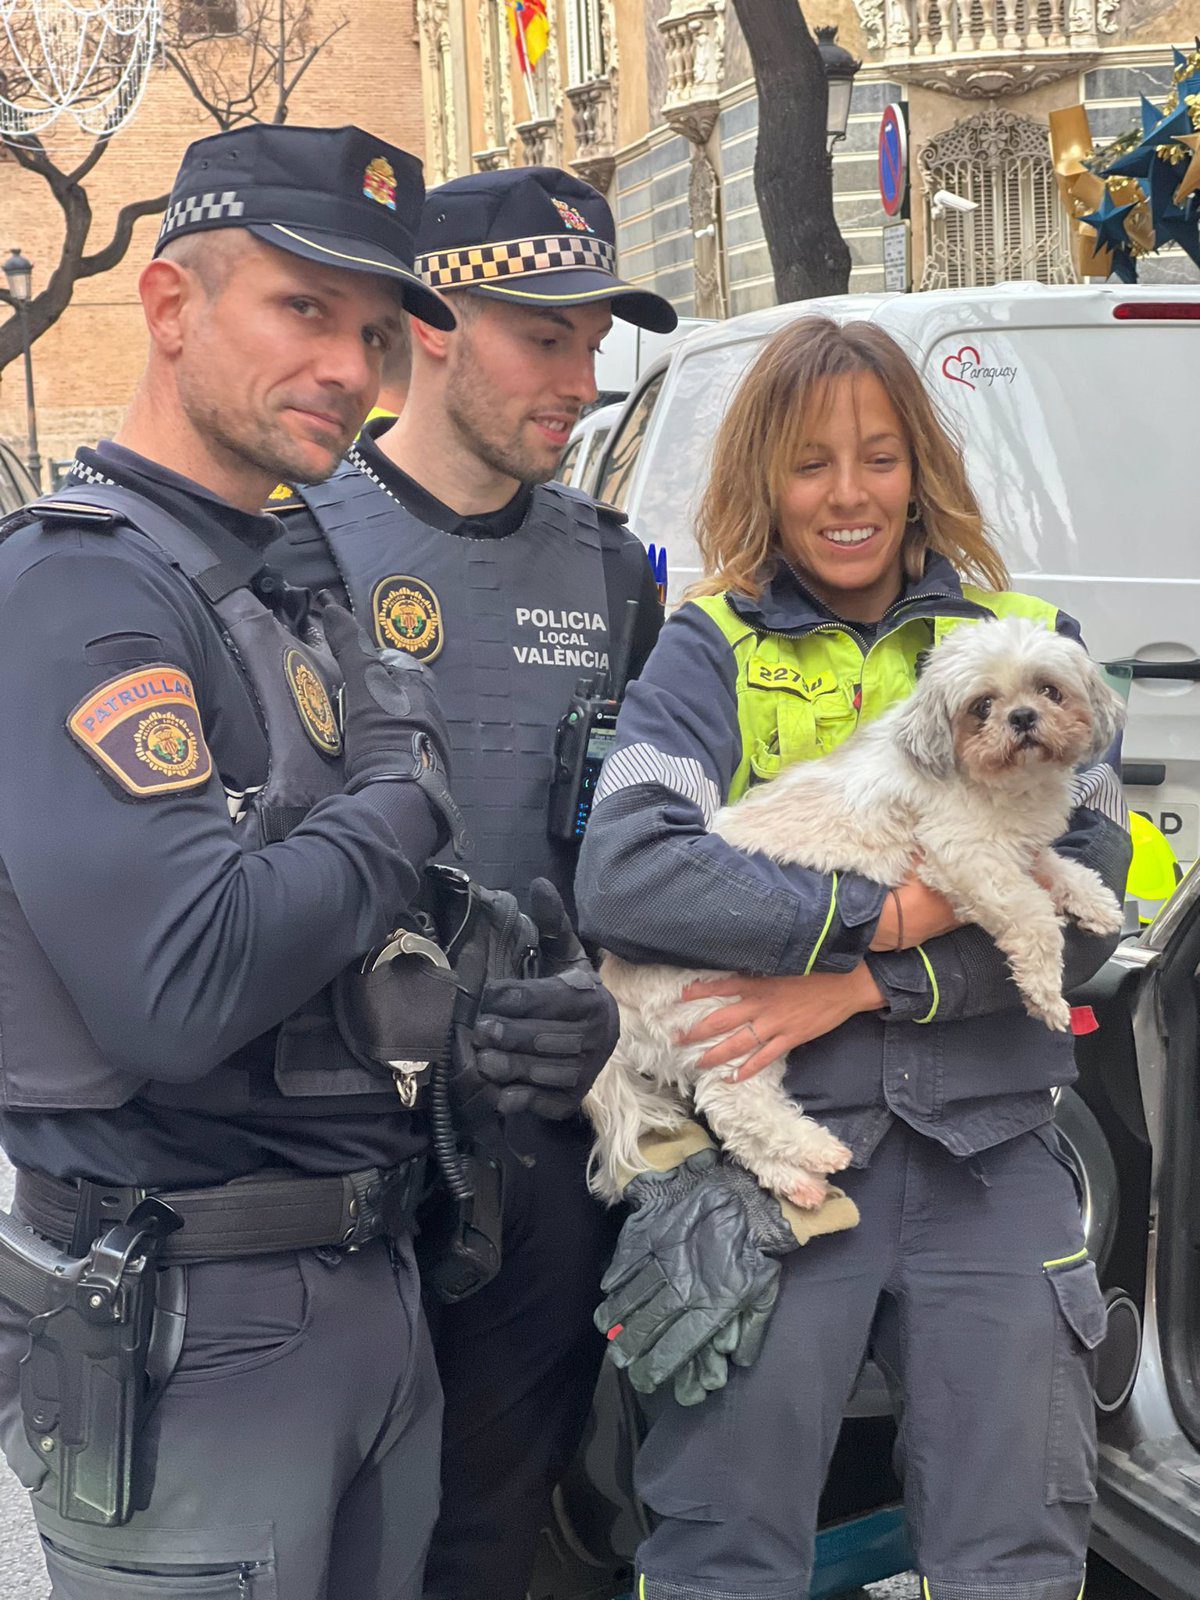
(1052, 693)
(982, 707)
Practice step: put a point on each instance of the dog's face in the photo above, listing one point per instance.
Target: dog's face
(998, 698)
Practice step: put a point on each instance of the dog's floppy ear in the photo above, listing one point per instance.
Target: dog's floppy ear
(1107, 707)
(924, 727)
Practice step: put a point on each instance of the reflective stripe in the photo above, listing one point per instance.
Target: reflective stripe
(1099, 789)
(816, 950)
(643, 763)
(1065, 1261)
(642, 1587)
(925, 1590)
(933, 984)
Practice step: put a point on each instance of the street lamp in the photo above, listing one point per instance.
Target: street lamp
(840, 69)
(18, 269)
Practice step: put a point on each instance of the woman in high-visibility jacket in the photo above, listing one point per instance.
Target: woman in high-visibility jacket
(841, 540)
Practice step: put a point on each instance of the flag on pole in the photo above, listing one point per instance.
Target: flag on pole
(530, 29)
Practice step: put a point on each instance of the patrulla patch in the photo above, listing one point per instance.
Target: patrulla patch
(313, 704)
(144, 730)
(408, 616)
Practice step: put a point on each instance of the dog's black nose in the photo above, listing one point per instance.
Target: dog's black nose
(1023, 719)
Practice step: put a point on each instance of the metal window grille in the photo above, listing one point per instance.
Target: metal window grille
(1019, 229)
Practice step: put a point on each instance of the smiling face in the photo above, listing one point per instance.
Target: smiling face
(518, 379)
(279, 359)
(840, 514)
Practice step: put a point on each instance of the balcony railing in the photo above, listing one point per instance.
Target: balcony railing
(985, 47)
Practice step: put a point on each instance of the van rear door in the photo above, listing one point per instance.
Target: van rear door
(1077, 409)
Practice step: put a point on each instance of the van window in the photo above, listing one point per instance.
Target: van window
(670, 490)
(617, 471)
(566, 462)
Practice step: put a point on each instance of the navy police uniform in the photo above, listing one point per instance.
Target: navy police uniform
(511, 609)
(182, 875)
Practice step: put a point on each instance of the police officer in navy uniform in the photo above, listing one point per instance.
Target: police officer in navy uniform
(197, 850)
(445, 535)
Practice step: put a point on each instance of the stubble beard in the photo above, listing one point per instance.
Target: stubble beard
(255, 441)
(471, 408)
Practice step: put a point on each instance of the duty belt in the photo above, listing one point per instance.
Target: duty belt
(256, 1215)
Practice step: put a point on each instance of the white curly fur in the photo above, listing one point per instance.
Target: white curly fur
(970, 804)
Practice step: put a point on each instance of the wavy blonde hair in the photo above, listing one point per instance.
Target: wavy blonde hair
(785, 393)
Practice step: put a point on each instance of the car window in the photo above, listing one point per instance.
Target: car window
(590, 464)
(617, 470)
(569, 457)
(668, 496)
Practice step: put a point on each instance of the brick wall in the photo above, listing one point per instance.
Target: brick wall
(85, 367)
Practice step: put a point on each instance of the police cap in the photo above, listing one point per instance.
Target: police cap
(535, 235)
(334, 195)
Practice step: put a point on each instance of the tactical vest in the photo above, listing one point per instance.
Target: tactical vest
(50, 1061)
(799, 695)
(509, 625)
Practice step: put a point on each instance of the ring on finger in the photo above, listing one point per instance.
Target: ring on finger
(753, 1032)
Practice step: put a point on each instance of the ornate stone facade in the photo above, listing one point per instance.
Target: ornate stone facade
(981, 48)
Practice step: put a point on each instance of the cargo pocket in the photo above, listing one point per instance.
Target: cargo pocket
(76, 1578)
(1079, 1326)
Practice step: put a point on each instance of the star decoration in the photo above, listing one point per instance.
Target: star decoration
(1191, 178)
(1109, 223)
(1172, 222)
(1158, 127)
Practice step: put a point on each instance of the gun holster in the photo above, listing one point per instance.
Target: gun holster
(104, 1332)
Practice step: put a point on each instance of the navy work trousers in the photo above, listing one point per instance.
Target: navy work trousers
(969, 1284)
(294, 1451)
(518, 1363)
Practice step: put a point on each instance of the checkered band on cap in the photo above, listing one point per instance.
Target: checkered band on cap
(211, 207)
(455, 269)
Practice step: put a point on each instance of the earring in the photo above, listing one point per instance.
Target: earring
(914, 512)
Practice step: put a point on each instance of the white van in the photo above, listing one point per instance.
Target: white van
(1078, 411)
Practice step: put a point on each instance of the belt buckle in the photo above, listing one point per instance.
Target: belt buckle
(404, 942)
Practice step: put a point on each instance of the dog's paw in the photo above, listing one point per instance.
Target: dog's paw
(1099, 914)
(826, 1154)
(1053, 1010)
(806, 1190)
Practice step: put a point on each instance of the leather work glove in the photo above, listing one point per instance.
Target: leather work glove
(541, 1042)
(695, 1274)
(392, 726)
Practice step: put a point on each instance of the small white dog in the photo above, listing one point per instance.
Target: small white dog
(966, 785)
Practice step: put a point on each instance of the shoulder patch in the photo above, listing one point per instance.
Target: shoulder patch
(313, 704)
(407, 615)
(143, 728)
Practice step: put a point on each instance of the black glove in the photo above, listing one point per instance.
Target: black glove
(541, 1042)
(392, 726)
(694, 1277)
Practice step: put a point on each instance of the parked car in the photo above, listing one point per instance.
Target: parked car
(1092, 497)
(585, 448)
(17, 487)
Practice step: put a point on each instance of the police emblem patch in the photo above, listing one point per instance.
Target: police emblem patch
(143, 729)
(379, 182)
(408, 616)
(572, 218)
(313, 704)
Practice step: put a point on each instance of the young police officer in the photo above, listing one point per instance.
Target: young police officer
(194, 848)
(449, 542)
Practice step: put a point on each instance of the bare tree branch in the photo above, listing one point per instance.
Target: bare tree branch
(248, 76)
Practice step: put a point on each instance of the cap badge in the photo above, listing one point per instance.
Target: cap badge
(572, 218)
(379, 182)
(313, 704)
(408, 616)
